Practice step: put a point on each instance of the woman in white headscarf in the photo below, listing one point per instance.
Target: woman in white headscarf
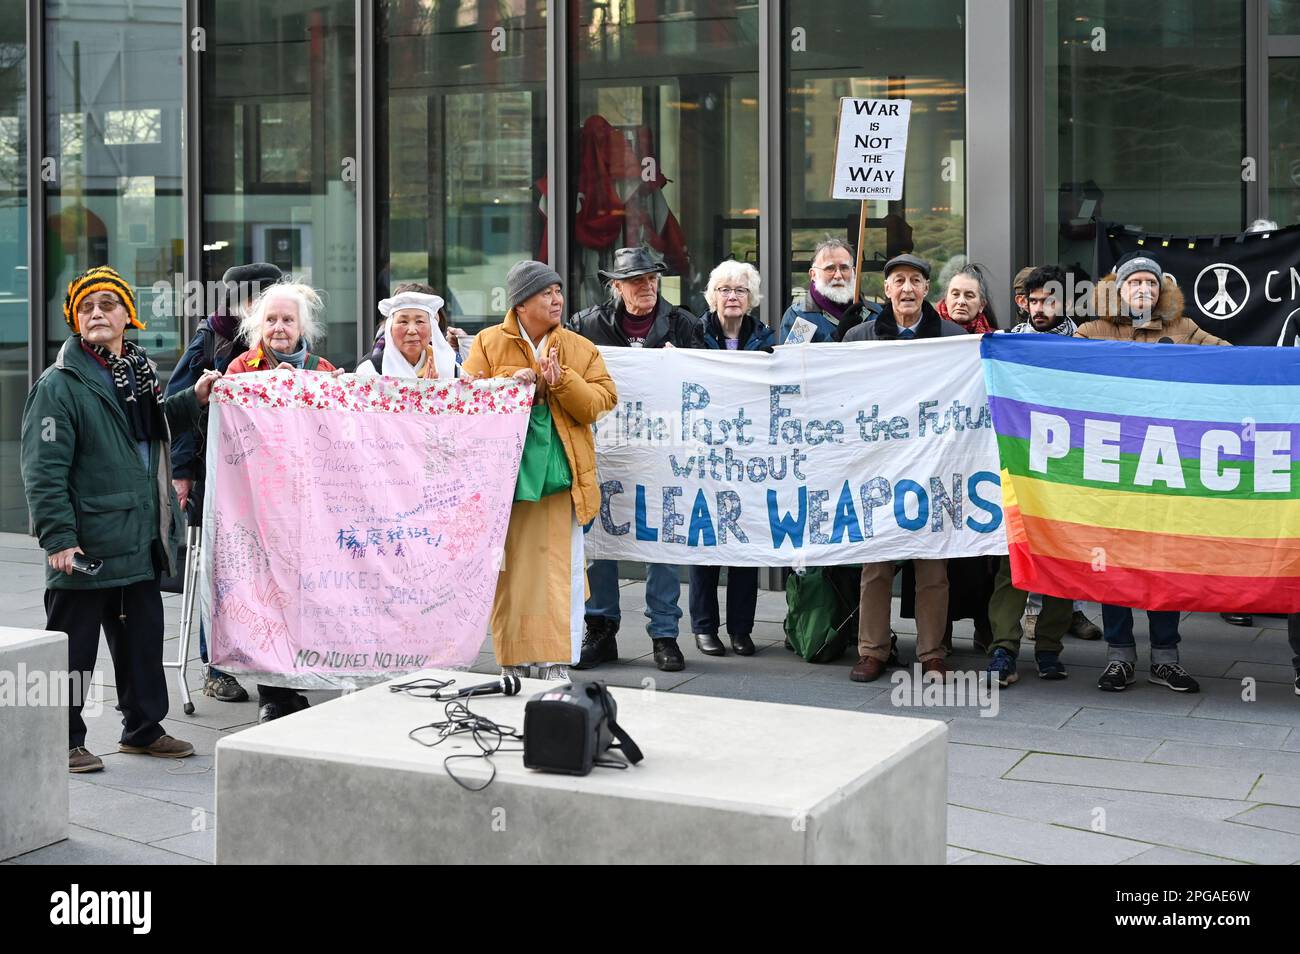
(414, 346)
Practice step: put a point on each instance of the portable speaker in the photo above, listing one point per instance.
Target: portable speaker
(568, 728)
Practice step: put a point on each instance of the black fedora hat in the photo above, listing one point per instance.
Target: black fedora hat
(630, 262)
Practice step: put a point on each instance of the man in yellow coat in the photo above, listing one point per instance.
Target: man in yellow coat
(537, 613)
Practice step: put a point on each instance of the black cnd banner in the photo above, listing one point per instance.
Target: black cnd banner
(1243, 287)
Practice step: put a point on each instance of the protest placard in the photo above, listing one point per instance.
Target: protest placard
(353, 526)
(871, 148)
(839, 453)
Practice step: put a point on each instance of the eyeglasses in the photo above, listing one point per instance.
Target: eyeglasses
(834, 269)
(106, 303)
(724, 291)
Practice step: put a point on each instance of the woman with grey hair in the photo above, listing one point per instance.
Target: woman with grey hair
(281, 326)
(733, 295)
(966, 300)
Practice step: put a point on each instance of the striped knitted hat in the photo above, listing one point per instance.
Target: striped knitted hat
(102, 278)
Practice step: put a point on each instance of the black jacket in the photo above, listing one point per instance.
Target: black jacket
(672, 324)
(884, 327)
(207, 350)
(754, 335)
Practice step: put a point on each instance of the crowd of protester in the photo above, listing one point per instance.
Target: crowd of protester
(110, 461)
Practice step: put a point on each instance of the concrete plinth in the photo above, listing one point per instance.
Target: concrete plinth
(33, 740)
(723, 781)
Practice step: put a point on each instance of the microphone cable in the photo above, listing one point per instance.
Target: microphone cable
(489, 736)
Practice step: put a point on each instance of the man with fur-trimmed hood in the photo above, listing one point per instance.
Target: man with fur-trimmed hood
(1139, 302)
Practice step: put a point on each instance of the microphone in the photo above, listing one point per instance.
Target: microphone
(507, 685)
(1165, 340)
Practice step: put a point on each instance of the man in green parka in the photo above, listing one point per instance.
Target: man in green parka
(96, 467)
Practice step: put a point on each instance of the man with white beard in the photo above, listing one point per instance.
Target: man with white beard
(829, 303)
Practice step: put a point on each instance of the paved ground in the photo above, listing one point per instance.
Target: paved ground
(1062, 774)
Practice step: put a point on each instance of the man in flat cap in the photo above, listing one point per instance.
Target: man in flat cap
(635, 316)
(906, 315)
(215, 344)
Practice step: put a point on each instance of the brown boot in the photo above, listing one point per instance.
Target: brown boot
(164, 747)
(936, 666)
(81, 760)
(868, 669)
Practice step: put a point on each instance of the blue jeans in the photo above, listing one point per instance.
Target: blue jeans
(662, 592)
(1117, 622)
(203, 652)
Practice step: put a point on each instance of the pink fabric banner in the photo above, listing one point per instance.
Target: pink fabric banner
(353, 526)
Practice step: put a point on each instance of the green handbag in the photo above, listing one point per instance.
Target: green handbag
(543, 468)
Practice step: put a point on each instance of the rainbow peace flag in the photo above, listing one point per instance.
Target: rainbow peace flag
(1155, 476)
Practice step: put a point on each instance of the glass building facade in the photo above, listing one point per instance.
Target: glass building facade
(363, 143)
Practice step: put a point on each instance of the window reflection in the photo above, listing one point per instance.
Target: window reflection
(1149, 133)
(13, 260)
(279, 149)
(1284, 140)
(665, 153)
(462, 120)
(113, 108)
(880, 49)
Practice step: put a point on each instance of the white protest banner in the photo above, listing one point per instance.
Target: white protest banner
(354, 527)
(814, 455)
(871, 150)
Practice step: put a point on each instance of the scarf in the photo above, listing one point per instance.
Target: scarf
(438, 359)
(1066, 328)
(145, 417)
(296, 358)
(832, 308)
(927, 327)
(976, 326)
(227, 326)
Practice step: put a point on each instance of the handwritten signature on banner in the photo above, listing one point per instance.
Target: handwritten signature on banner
(355, 521)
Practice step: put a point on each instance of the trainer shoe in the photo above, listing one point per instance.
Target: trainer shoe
(1049, 666)
(164, 747)
(1116, 677)
(1002, 667)
(81, 760)
(1174, 676)
(1297, 682)
(555, 672)
(223, 687)
(1083, 628)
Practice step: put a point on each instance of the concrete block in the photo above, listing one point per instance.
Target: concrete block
(723, 781)
(33, 740)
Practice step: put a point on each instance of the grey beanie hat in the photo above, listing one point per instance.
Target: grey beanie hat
(1138, 263)
(527, 278)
